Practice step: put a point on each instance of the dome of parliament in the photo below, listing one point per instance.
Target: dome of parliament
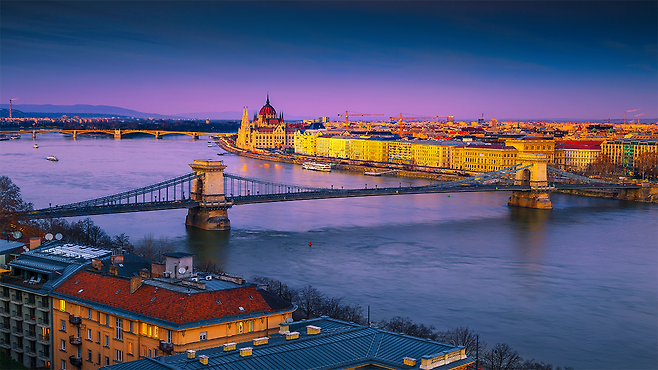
(267, 110)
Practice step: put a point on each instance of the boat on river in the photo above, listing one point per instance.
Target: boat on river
(35, 146)
(52, 158)
(315, 166)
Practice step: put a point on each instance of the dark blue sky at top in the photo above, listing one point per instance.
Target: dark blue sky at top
(518, 59)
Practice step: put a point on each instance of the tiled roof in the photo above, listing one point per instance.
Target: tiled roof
(163, 304)
(340, 345)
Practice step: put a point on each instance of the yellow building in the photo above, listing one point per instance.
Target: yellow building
(575, 157)
(433, 153)
(483, 158)
(101, 319)
(626, 152)
(539, 145)
(399, 152)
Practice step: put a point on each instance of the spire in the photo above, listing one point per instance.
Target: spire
(268, 98)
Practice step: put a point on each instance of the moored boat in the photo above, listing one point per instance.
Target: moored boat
(52, 158)
(314, 166)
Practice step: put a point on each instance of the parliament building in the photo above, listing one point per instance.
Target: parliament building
(266, 131)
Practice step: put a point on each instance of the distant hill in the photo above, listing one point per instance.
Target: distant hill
(82, 110)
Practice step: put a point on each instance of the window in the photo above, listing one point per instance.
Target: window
(119, 328)
(107, 361)
(130, 348)
(130, 326)
(89, 313)
(63, 364)
(155, 352)
(144, 330)
(203, 336)
(119, 357)
(250, 326)
(240, 327)
(99, 339)
(99, 359)
(169, 336)
(89, 355)
(107, 319)
(62, 305)
(89, 334)
(107, 341)
(63, 348)
(63, 327)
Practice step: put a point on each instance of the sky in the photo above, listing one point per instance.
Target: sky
(508, 60)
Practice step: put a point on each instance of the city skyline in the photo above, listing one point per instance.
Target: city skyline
(532, 60)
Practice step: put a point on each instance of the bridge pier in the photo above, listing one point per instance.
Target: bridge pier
(208, 191)
(117, 134)
(536, 178)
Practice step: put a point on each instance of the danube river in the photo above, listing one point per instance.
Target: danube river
(574, 286)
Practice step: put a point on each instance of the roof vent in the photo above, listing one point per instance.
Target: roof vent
(284, 327)
(292, 335)
(208, 277)
(203, 359)
(312, 329)
(241, 308)
(191, 353)
(229, 346)
(260, 341)
(409, 361)
(246, 351)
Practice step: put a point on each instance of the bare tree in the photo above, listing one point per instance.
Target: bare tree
(406, 326)
(502, 357)
(10, 203)
(153, 249)
(646, 165)
(462, 336)
(310, 301)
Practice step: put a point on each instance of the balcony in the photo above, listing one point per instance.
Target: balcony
(4, 311)
(76, 341)
(30, 304)
(31, 335)
(43, 321)
(75, 360)
(29, 319)
(17, 348)
(18, 316)
(32, 352)
(166, 347)
(16, 299)
(43, 306)
(44, 339)
(75, 320)
(17, 331)
(44, 356)
(5, 328)
(4, 298)
(4, 343)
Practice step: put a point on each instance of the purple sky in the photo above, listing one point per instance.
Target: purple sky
(518, 59)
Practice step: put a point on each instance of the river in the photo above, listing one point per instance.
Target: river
(575, 286)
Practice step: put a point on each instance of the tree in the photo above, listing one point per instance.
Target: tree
(603, 166)
(10, 203)
(462, 336)
(310, 301)
(153, 249)
(646, 165)
(406, 326)
(502, 357)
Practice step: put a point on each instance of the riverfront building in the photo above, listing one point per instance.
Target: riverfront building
(628, 152)
(483, 157)
(25, 304)
(266, 131)
(102, 318)
(322, 343)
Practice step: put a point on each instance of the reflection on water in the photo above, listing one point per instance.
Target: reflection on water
(573, 286)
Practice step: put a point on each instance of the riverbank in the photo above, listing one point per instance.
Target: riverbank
(646, 194)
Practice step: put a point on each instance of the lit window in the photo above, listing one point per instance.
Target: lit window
(240, 327)
(62, 305)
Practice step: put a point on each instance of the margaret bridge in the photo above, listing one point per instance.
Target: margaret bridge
(208, 192)
(116, 133)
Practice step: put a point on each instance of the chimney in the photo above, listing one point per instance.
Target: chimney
(157, 270)
(114, 270)
(191, 353)
(144, 274)
(35, 242)
(203, 359)
(135, 283)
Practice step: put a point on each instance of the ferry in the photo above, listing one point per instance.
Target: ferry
(52, 158)
(314, 166)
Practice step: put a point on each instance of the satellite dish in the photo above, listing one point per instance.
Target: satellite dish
(49, 236)
(59, 236)
(181, 270)
(17, 234)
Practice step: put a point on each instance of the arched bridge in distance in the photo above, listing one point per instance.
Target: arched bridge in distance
(116, 133)
(208, 192)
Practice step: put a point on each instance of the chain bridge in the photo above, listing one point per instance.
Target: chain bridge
(208, 192)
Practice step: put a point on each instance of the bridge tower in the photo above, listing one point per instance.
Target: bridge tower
(535, 177)
(208, 191)
(117, 134)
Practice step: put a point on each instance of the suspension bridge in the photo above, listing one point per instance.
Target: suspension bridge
(208, 192)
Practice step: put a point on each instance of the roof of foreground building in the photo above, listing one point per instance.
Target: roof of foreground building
(320, 344)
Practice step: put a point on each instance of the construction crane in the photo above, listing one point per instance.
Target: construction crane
(400, 119)
(348, 114)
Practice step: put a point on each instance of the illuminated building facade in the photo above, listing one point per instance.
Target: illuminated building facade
(266, 131)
